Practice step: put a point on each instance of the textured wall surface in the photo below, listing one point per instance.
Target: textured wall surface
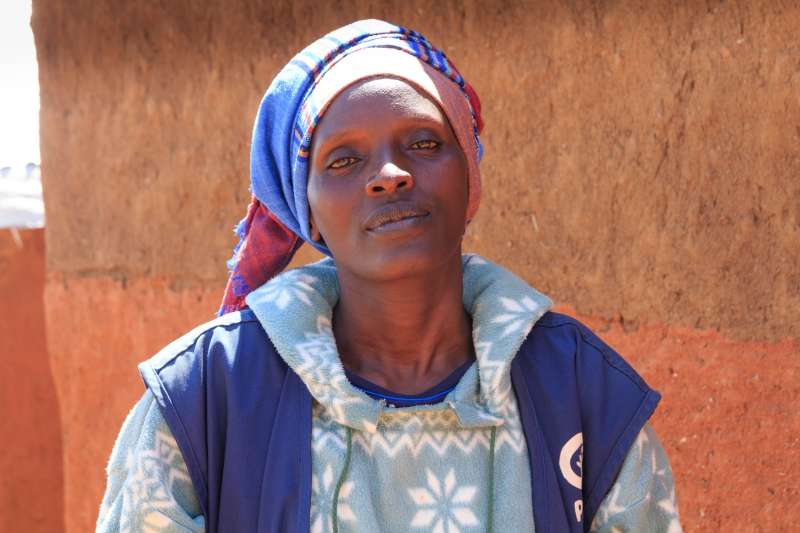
(641, 161)
(94, 354)
(642, 167)
(31, 481)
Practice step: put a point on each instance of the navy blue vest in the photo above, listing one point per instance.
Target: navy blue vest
(242, 420)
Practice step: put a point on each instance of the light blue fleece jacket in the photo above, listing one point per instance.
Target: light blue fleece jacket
(459, 465)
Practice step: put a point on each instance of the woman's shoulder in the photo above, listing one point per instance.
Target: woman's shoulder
(565, 336)
(232, 346)
(572, 334)
(586, 397)
(553, 323)
(231, 332)
(563, 342)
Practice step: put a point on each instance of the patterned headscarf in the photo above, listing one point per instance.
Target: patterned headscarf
(277, 220)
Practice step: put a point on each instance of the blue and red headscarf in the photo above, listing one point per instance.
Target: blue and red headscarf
(276, 223)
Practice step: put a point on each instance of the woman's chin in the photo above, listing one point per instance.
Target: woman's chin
(402, 261)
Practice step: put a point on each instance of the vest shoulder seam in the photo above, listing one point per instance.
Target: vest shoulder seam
(185, 342)
(588, 337)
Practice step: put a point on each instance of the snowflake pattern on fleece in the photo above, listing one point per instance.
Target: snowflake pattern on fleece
(148, 488)
(424, 468)
(643, 497)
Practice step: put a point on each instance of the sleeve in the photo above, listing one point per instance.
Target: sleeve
(148, 485)
(643, 495)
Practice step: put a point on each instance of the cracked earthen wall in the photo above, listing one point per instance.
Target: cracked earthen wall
(642, 167)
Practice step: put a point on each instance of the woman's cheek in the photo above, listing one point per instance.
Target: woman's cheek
(333, 203)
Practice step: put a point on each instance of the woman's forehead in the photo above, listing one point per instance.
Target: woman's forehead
(383, 85)
(388, 97)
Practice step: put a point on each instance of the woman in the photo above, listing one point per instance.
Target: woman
(400, 385)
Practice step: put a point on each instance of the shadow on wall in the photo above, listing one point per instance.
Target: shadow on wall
(31, 485)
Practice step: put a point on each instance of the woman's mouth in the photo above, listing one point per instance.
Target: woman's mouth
(396, 216)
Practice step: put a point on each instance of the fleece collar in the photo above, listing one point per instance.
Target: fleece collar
(295, 309)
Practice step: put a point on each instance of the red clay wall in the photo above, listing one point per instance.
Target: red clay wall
(31, 485)
(641, 167)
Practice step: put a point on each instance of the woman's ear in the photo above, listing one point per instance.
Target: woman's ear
(316, 236)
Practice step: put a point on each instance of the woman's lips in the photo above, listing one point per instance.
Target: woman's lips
(395, 216)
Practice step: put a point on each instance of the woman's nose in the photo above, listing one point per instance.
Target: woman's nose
(390, 179)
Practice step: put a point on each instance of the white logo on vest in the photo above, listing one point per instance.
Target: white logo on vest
(573, 446)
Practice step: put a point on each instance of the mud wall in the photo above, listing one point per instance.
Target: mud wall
(642, 167)
(31, 483)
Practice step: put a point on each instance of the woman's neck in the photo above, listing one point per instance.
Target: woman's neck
(404, 335)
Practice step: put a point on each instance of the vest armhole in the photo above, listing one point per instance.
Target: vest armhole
(153, 382)
(650, 398)
(619, 451)
(640, 406)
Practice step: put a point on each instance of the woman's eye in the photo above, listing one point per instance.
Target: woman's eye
(343, 162)
(425, 145)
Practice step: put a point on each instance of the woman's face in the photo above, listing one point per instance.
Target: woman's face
(388, 185)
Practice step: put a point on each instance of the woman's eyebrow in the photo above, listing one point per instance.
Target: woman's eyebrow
(339, 138)
(333, 142)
